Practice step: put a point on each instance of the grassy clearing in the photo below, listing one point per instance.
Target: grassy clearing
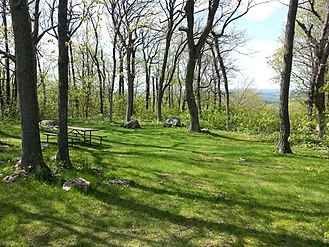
(217, 189)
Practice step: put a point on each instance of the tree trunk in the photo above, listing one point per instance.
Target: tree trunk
(190, 98)
(63, 157)
(283, 145)
(26, 69)
(121, 78)
(76, 99)
(130, 97)
(2, 106)
(227, 92)
(43, 86)
(153, 93)
(320, 100)
(198, 89)
(111, 86)
(7, 65)
(194, 52)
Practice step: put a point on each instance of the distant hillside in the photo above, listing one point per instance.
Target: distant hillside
(270, 96)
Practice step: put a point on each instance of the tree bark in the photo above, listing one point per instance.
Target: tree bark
(121, 77)
(76, 99)
(319, 66)
(7, 64)
(194, 52)
(63, 157)
(130, 96)
(26, 70)
(284, 145)
(111, 86)
(227, 92)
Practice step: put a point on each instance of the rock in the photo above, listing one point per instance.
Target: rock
(98, 171)
(16, 175)
(3, 144)
(221, 195)
(2, 162)
(120, 181)
(49, 124)
(172, 122)
(53, 158)
(44, 145)
(133, 124)
(76, 182)
(18, 164)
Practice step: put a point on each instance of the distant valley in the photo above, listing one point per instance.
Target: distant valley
(270, 96)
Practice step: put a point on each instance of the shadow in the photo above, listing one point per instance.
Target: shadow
(7, 135)
(55, 223)
(240, 232)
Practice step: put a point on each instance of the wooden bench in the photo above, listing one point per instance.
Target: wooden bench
(100, 137)
(72, 138)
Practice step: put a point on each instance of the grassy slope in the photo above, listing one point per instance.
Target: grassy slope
(269, 199)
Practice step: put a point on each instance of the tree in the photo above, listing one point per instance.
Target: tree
(228, 14)
(320, 45)
(194, 52)
(283, 145)
(172, 10)
(63, 156)
(26, 71)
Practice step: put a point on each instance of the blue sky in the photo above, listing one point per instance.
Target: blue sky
(263, 25)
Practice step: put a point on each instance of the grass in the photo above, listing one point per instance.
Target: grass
(192, 189)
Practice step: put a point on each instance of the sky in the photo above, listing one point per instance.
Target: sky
(264, 25)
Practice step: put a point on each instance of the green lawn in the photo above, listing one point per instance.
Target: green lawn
(192, 189)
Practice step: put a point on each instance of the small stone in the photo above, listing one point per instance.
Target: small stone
(16, 175)
(98, 171)
(76, 182)
(18, 164)
(172, 122)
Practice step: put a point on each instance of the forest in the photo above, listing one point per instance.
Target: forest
(238, 171)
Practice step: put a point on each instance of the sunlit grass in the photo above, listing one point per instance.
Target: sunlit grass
(217, 189)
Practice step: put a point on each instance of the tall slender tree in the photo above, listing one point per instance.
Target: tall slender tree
(283, 145)
(63, 157)
(194, 52)
(26, 71)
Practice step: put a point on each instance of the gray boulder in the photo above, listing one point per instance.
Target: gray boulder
(49, 124)
(133, 124)
(172, 122)
(16, 175)
(76, 182)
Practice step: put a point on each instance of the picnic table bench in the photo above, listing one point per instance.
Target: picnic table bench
(100, 137)
(72, 138)
(85, 133)
(75, 133)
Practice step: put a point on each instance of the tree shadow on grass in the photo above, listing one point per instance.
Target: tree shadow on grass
(8, 135)
(198, 223)
(91, 231)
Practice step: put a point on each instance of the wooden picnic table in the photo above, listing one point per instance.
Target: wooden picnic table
(85, 133)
